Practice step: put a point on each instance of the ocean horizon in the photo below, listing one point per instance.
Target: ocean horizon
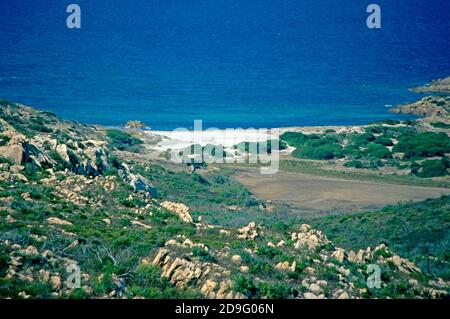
(229, 63)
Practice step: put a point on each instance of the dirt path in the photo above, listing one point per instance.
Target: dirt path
(311, 193)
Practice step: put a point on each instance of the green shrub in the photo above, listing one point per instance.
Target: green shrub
(323, 152)
(425, 144)
(295, 139)
(362, 139)
(4, 263)
(203, 255)
(4, 102)
(386, 141)
(260, 147)
(412, 230)
(354, 163)
(268, 252)
(251, 202)
(38, 124)
(4, 139)
(434, 168)
(377, 151)
(275, 291)
(124, 141)
(6, 160)
(246, 286)
(440, 125)
(353, 151)
(314, 146)
(415, 167)
(78, 293)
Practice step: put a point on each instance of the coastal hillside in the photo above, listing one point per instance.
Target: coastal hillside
(441, 86)
(434, 108)
(84, 213)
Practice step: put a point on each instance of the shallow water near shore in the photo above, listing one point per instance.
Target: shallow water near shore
(230, 63)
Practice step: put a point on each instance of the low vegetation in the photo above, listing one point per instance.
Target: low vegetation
(419, 231)
(401, 147)
(144, 230)
(124, 141)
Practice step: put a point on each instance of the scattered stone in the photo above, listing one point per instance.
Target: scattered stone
(236, 259)
(343, 295)
(30, 250)
(309, 238)
(244, 269)
(58, 221)
(225, 232)
(270, 244)
(351, 256)
(55, 281)
(178, 208)
(315, 288)
(339, 254)
(248, 232)
(310, 295)
(134, 125)
(138, 223)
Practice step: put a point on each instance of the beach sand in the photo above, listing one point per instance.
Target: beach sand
(180, 139)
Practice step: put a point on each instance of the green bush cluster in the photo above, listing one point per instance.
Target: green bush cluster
(377, 151)
(4, 139)
(431, 168)
(320, 152)
(124, 141)
(314, 146)
(371, 149)
(203, 255)
(440, 125)
(260, 147)
(147, 282)
(421, 145)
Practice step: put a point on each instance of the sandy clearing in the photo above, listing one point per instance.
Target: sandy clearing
(311, 193)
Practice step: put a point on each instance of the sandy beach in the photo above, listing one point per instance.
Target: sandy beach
(180, 139)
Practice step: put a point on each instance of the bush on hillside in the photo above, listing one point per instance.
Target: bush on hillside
(425, 144)
(431, 168)
(377, 151)
(124, 141)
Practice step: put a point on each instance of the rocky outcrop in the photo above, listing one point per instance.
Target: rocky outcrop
(286, 266)
(47, 271)
(134, 125)
(437, 86)
(248, 232)
(71, 208)
(137, 181)
(309, 238)
(14, 153)
(429, 106)
(339, 254)
(88, 158)
(211, 279)
(179, 209)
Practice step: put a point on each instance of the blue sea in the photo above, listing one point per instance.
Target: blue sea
(230, 63)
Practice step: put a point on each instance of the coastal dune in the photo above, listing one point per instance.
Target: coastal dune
(180, 139)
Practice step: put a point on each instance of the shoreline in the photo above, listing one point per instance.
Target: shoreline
(177, 140)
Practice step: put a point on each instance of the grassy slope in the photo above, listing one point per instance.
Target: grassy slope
(414, 230)
(104, 250)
